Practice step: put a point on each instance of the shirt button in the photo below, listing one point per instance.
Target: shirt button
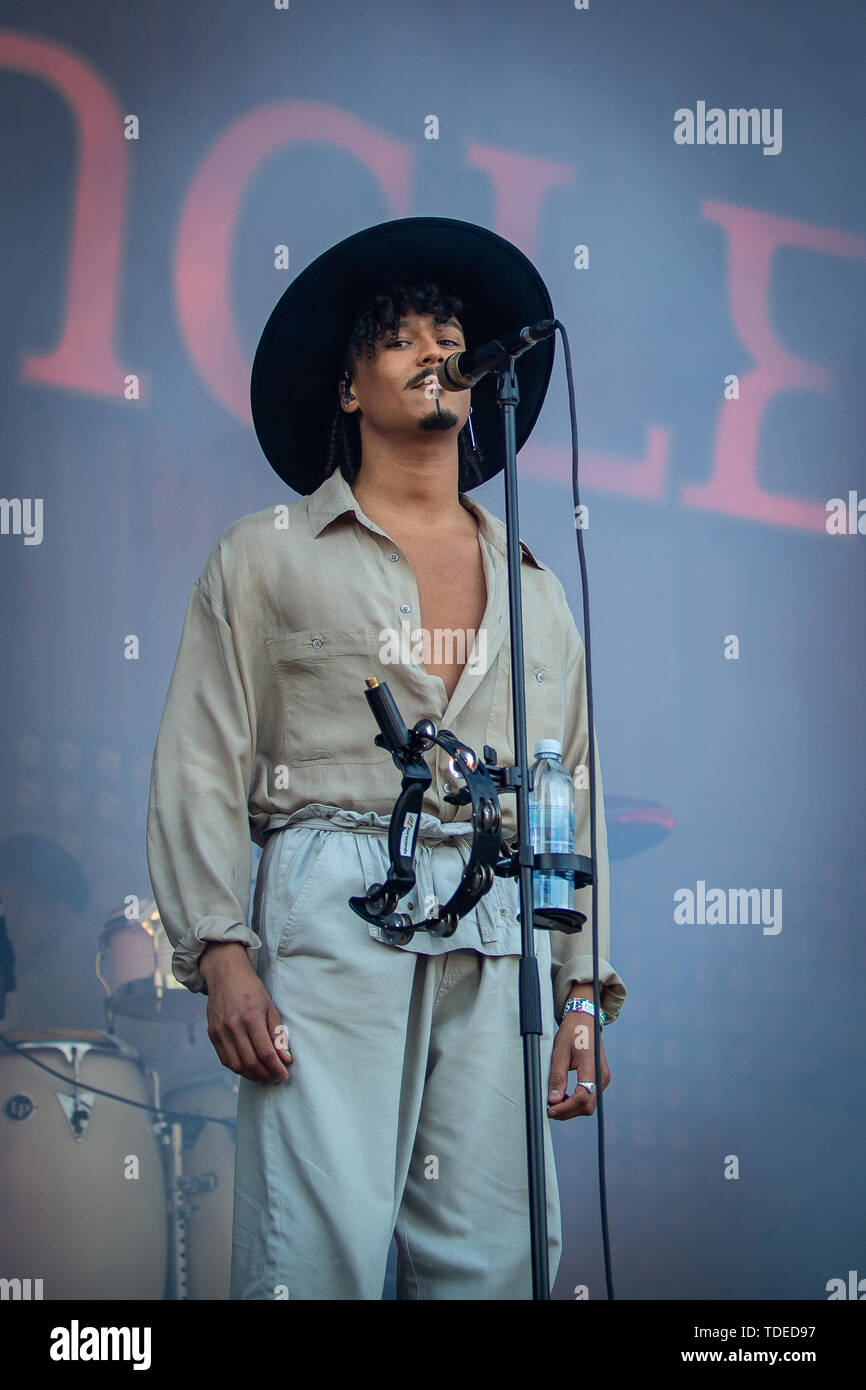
(393, 555)
(317, 641)
(404, 608)
(539, 675)
(446, 786)
(503, 911)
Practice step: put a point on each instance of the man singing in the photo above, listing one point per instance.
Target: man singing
(382, 1083)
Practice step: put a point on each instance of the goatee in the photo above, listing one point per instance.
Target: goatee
(438, 420)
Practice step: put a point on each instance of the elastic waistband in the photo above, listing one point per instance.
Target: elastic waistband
(321, 816)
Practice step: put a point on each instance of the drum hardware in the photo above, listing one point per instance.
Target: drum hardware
(76, 1107)
(174, 1131)
(203, 1183)
(191, 1129)
(7, 1040)
(77, 1110)
(175, 1209)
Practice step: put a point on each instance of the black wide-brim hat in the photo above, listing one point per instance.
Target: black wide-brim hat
(298, 362)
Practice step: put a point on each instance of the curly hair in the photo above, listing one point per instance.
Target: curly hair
(379, 320)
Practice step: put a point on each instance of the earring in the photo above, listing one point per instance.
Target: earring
(471, 430)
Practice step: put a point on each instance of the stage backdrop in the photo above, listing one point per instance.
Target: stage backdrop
(688, 180)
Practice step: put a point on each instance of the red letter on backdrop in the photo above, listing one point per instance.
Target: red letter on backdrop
(521, 182)
(753, 238)
(84, 359)
(207, 223)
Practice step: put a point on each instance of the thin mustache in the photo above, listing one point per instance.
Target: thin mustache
(416, 381)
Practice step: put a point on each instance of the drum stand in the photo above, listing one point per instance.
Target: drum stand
(180, 1189)
(171, 1138)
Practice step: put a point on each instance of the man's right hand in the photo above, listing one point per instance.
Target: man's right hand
(242, 1022)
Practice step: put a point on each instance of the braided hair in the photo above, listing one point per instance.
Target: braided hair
(380, 319)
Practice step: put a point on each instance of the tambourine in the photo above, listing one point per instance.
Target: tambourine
(489, 856)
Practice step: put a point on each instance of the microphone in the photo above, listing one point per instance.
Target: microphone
(462, 370)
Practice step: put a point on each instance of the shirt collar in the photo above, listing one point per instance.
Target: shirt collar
(334, 497)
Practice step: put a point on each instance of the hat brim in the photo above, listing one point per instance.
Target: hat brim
(296, 368)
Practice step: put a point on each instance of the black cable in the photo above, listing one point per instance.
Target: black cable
(124, 1100)
(602, 1183)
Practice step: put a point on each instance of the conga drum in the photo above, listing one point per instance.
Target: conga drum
(82, 1192)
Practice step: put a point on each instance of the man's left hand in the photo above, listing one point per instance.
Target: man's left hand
(574, 1050)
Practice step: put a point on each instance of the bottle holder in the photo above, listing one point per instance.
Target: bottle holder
(578, 868)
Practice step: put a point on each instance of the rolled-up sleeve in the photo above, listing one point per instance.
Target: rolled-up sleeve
(198, 839)
(571, 954)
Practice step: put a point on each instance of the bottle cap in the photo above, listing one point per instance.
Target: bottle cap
(547, 745)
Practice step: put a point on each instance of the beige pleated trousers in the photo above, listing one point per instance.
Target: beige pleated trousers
(403, 1114)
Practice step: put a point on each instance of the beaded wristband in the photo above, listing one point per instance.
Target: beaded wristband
(583, 1006)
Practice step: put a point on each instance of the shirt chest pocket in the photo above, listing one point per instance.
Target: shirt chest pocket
(545, 704)
(321, 675)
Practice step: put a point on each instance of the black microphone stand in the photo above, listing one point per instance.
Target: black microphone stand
(531, 1025)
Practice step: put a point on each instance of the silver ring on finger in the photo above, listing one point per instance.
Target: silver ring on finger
(590, 1085)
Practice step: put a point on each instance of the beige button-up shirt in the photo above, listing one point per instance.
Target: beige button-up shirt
(266, 723)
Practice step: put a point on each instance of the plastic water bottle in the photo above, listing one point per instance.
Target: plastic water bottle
(551, 822)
